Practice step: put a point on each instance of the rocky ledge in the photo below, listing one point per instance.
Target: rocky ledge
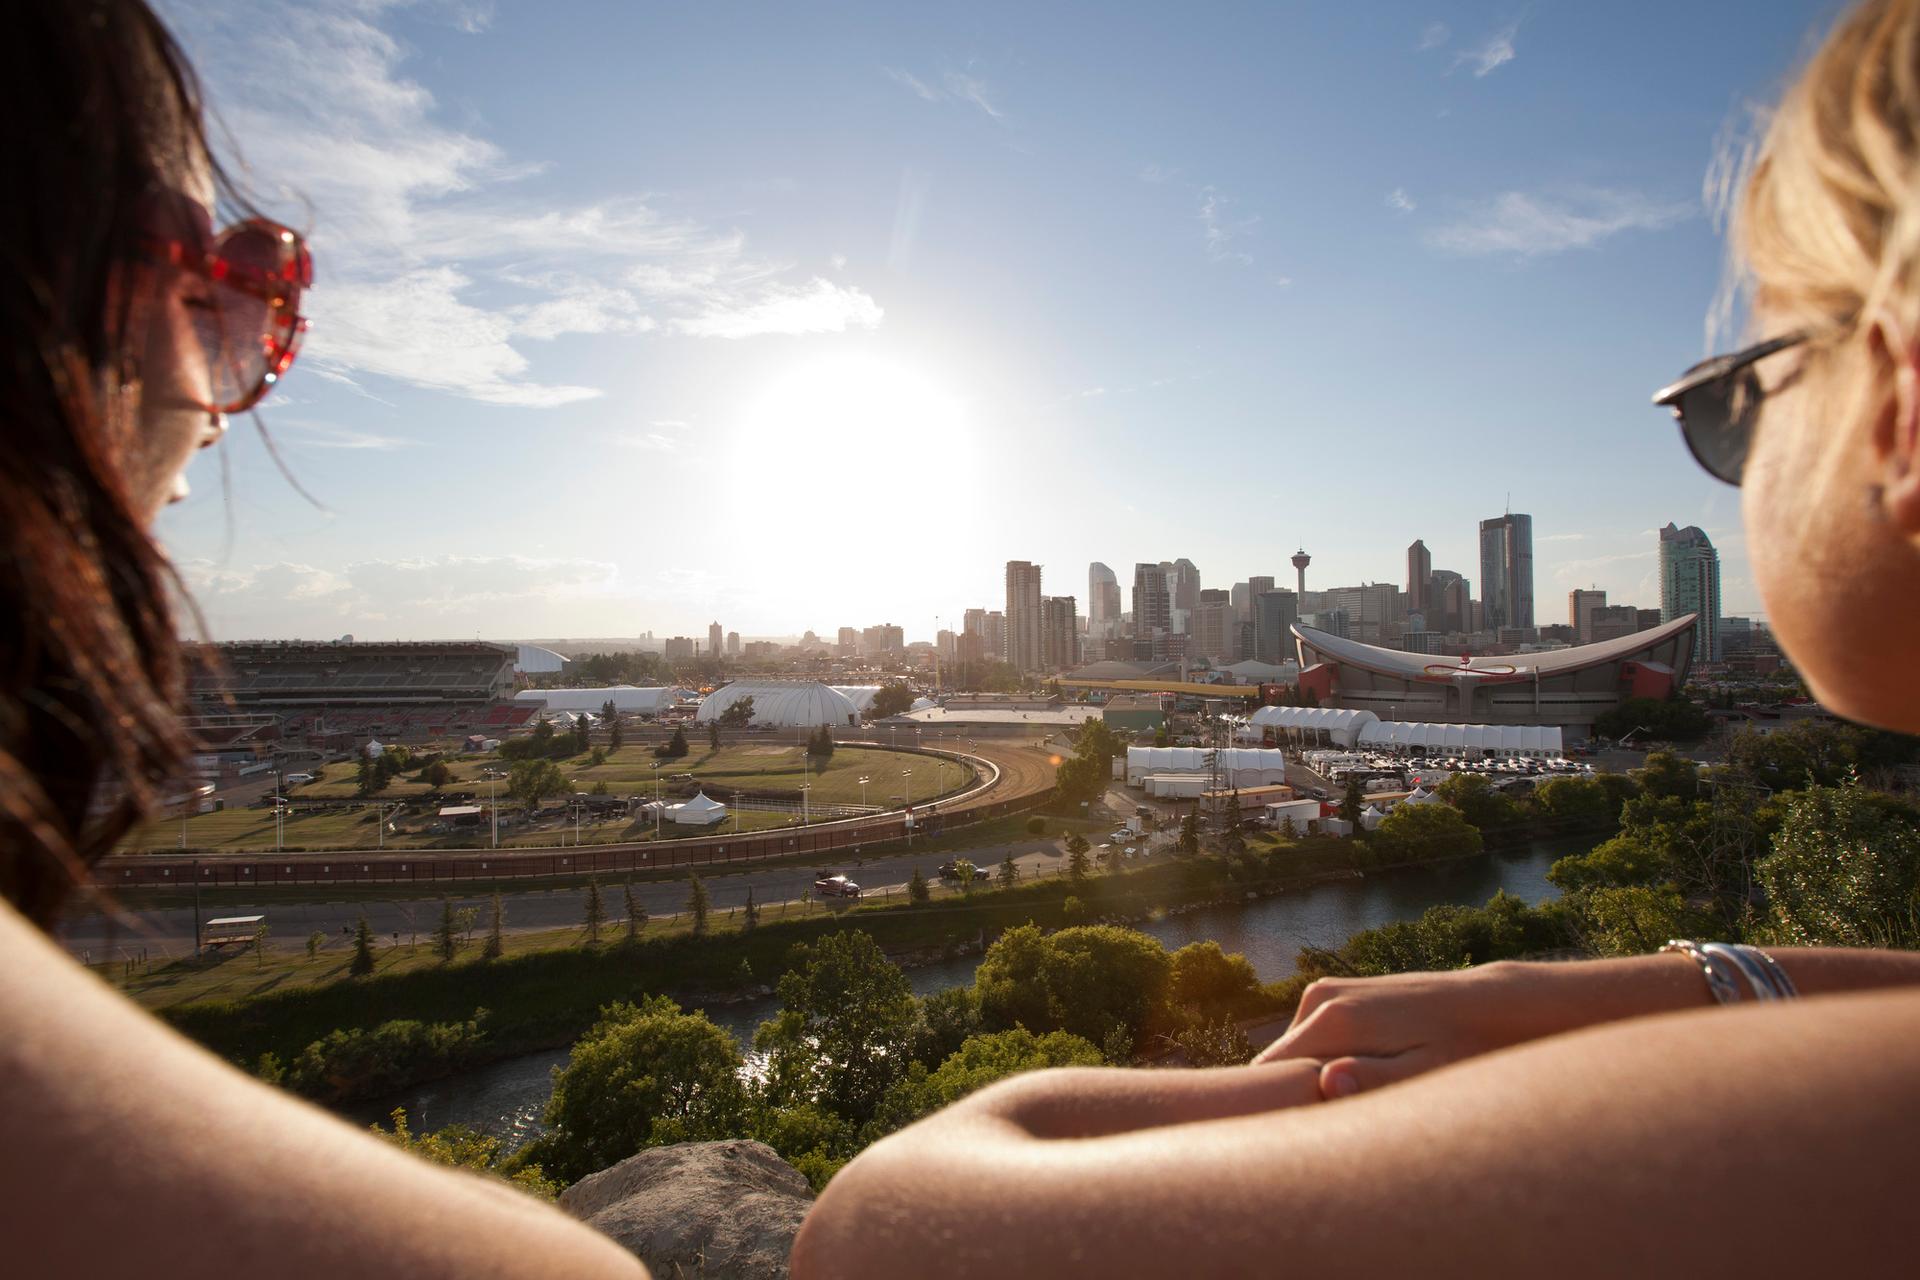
(712, 1209)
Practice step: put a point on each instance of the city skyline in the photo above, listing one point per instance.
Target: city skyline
(571, 375)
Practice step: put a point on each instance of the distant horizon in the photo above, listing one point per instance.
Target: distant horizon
(785, 315)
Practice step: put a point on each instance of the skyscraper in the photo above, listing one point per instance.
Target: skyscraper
(1213, 630)
(716, 641)
(1183, 592)
(1103, 602)
(1024, 649)
(1580, 609)
(1274, 613)
(1419, 578)
(1506, 571)
(1059, 633)
(1690, 583)
(1152, 607)
(1450, 607)
(733, 644)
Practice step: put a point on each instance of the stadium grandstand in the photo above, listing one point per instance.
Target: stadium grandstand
(394, 691)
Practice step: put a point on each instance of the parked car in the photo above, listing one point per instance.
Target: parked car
(835, 887)
(951, 871)
(297, 779)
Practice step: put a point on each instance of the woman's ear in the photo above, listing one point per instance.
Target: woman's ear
(1895, 437)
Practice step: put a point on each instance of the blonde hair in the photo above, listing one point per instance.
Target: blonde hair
(1827, 227)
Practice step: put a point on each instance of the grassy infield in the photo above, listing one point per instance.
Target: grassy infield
(757, 766)
(545, 991)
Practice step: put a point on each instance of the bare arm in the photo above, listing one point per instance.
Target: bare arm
(1752, 1140)
(1375, 1031)
(127, 1150)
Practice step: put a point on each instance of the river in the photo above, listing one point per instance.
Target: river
(505, 1098)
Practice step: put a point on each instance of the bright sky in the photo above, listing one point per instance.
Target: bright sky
(631, 316)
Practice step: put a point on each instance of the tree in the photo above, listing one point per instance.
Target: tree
(368, 778)
(581, 732)
(1009, 872)
(963, 870)
(1234, 841)
(260, 935)
(446, 935)
(892, 700)
(945, 1020)
(1189, 841)
(531, 781)
(917, 889)
(362, 962)
(610, 715)
(1208, 983)
(1353, 800)
(820, 743)
(644, 1075)
(1672, 717)
(697, 904)
(596, 911)
(1421, 832)
(1078, 865)
(636, 914)
(596, 758)
(713, 735)
(739, 713)
(676, 746)
(464, 919)
(978, 1062)
(437, 774)
(1112, 860)
(1844, 870)
(496, 943)
(1091, 980)
(1478, 801)
(844, 1030)
(315, 940)
(1288, 831)
(749, 916)
(459, 1147)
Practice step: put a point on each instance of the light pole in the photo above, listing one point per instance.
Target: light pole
(656, 800)
(863, 791)
(493, 776)
(279, 811)
(806, 816)
(908, 775)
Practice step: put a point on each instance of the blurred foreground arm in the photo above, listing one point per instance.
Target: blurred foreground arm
(127, 1151)
(1752, 1140)
(1375, 1031)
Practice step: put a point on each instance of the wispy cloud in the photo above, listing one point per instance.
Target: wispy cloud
(1156, 174)
(439, 263)
(1399, 199)
(951, 86)
(650, 442)
(1494, 52)
(1433, 36)
(818, 307)
(319, 435)
(1518, 224)
(1219, 229)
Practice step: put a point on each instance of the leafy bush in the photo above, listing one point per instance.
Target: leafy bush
(1088, 980)
(365, 1063)
(978, 1062)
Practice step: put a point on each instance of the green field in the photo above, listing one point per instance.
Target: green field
(767, 767)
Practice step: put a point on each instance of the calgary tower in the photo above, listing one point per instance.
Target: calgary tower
(1300, 562)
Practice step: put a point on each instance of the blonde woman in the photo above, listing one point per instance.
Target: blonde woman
(1673, 1114)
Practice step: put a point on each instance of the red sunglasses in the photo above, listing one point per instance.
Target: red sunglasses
(250, 324)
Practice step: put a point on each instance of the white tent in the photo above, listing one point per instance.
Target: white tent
(788, 703)
(697, 812)
(1371, 817)
(1341, 725)
(1474, 740)
(1236, 766)
(627, 699)
(375, 748)
(1419, 795)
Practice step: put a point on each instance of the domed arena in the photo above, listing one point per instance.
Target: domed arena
(784, 704)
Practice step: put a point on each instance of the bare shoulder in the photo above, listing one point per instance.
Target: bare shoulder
(125, 1143)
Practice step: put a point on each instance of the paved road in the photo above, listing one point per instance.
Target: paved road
(169, 931)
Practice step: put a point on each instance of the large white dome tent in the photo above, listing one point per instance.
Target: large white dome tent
(783, 704)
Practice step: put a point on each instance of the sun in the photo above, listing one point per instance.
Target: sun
(847, 416)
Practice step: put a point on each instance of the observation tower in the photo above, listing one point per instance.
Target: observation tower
(1300, 562)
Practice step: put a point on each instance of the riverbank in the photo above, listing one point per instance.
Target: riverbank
(543, 998)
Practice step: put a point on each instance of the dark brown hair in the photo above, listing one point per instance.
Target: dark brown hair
(98, 111)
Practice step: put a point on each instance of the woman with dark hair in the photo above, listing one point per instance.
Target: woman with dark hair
(130, 329)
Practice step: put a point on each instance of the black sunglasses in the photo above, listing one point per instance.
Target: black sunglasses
(1717, 402)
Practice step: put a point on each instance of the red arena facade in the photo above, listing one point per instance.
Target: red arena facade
(1569, 688)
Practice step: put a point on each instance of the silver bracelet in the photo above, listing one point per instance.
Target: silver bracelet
(1720, 980)
(1763, 973)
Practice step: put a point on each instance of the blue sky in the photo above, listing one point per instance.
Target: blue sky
(633, 315)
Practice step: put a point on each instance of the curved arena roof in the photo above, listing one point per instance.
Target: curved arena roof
(861, 695)
(1415, 666)
(789, 704)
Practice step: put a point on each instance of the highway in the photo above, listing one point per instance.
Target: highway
(168, 932)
